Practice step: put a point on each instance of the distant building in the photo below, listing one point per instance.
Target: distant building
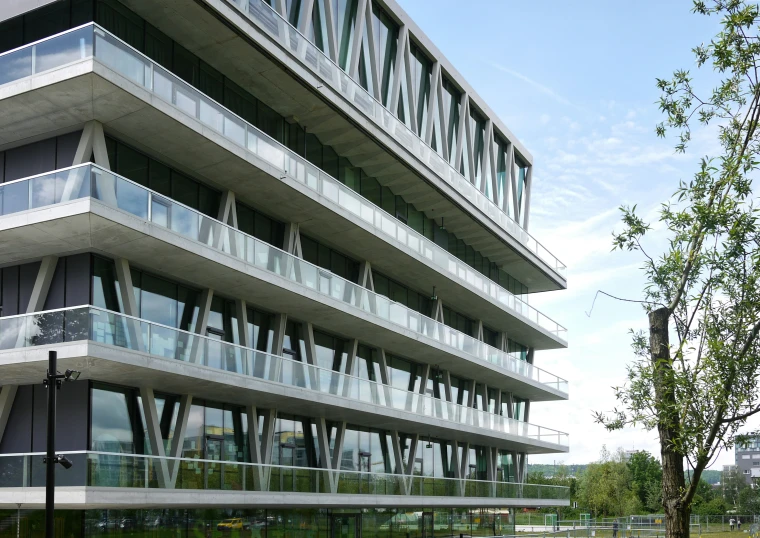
(748, 459)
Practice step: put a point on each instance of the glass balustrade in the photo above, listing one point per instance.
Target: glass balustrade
(309, 55)
(120, 193)
(84, 42)
(106, 327)
(115, 470)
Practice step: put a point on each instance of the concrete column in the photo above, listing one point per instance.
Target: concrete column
(129, 303)
(356, 45)
(479, 334)
(526, 194)
(424, 378)
(178, 439)
(293, 239)
(332, 39)
(278, 333)
(443, 115)
(469, 139)
(414, 441)
(412, 97)
(311, 360)
(42, 284)
(493, 160)
(228, 215)
(330, 461)
(91, 144)
(383, 362)
(485, 161)
(155, 439)
(513, 182)
(398, 456)
(509, 181)
(403, 34)
(353, 349)
(503, 341)
(456, 467)
(462, 128)
(260, 441)
(373, 67)
(464, 470)
(437, 312)
(7, 396)
(365, 276)
(510, 404)
(241, 313)
(201, 324)
(433, 102)
(304, 17)
(340, 436)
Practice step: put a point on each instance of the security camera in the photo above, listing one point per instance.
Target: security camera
(72, 375)
(65, 462)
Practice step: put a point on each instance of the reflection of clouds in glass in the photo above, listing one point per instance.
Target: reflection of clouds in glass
(110, 420)
(15, 65)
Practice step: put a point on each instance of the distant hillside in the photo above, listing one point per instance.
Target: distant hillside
(710, 476)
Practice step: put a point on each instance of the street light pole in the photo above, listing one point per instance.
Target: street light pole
(52, 384)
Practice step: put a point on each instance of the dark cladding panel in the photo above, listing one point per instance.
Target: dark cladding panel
(57, 291)
(78, 280)
(72, 419)
(10, 291)
(67, 147)
(18, 432)
(31, 159)
(27, 276)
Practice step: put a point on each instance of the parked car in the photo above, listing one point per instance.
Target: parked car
(231, 524)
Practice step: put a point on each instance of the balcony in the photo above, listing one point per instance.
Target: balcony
(266, 19)
(105, 327)
(91, 41)
(286, 485)
(113, 192)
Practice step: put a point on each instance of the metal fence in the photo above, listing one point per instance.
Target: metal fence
(538, 525)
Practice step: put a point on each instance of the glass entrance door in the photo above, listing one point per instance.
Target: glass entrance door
(345, 526)
(427, 525)
(213, 478)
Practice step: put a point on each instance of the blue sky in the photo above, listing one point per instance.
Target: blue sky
(575, 82)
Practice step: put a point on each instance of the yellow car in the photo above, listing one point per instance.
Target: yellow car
(232, 524)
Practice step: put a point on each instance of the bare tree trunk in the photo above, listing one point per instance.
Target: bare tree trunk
(673, 481)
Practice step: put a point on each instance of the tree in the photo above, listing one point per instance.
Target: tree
(646, 474)
(704, 288)
(749, 501)
(605, 487)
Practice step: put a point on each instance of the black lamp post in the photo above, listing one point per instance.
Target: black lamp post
(53, 378)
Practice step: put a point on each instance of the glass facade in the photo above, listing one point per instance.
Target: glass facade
(413, 522)
(161, 178)
(217, 440)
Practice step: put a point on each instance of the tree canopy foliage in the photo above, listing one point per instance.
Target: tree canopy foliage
(704, 288)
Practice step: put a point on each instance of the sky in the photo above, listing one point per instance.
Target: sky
(575, 83)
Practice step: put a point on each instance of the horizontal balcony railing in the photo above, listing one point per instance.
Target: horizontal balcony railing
(91, 40)
(280, 30)
(106, 327)
(115, 470)
(92, 181)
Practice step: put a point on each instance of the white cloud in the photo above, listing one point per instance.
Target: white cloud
(537, 85)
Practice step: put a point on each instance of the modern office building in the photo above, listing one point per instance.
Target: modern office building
(747, 455)
(287, 248)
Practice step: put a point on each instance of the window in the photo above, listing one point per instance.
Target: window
(745, 456)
